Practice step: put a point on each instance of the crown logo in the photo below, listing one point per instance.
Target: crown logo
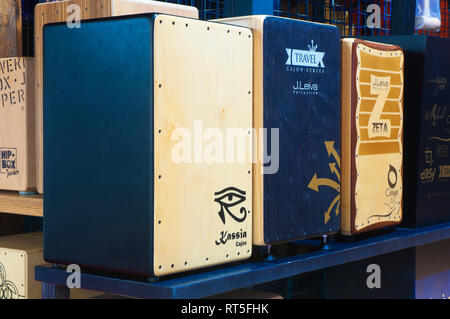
(312, 47)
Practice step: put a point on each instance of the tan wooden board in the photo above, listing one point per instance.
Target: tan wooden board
(372, 135)
(256, 23)
(10, 28)
(53, 12)
(17, 125)
(202, 76)
(13, 203)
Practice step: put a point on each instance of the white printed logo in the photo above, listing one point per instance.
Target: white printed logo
(310, 58)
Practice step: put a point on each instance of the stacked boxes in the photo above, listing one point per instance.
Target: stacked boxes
(72, 11)
(372, 135)
(135, 158)
(17, 126)
(296, 115)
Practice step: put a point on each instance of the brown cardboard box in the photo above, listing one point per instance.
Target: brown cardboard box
(17, 125)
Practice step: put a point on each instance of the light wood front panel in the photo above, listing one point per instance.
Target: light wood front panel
(17, 124)
(346, 133)
(256, 24)
(53, 12)
(19, 254)
(203, 87)
(372, 135)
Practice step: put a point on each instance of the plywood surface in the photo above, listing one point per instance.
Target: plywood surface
(53, 12)
(10, 28)
(17, 124)
(13, 203)
(256, 24)
(376, 139)
(198, 202)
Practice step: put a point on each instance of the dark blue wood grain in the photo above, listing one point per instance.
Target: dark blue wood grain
(426, 200)
(98, 137)
(306, 121)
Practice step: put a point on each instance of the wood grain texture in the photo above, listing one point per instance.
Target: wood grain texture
(17, 125)
(19, 254)
(374, 180)
(13, 203)
(53, 12)
(212, 90)
(256, 23)
(10, 28)
(346, 95)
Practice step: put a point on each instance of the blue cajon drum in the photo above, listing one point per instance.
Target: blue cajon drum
(128, 103)
(296, 109)
(427, 128)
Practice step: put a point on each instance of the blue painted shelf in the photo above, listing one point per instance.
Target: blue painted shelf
(211, 282)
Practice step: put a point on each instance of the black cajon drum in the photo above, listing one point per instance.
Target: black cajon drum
(372, 135)
(427, 128)
(66, 11)
(296, 106)
(136, 114)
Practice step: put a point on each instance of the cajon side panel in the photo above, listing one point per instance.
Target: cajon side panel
(106, 118)
(377, 136)
(256, 24)
(202, 85)
(17, 124)
(53, 12)
(34, 287)
(346, 107)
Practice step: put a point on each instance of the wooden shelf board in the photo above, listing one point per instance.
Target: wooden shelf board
(13, 203)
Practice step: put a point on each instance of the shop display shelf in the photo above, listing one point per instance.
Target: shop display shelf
(247, 274)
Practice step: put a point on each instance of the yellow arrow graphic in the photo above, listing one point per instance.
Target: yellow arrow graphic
(328, 212)
(335, 171)
(316, 182)
(332, 151)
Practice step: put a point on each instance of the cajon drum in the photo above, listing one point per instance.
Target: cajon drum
(17, 125)
(372, 135)
(427, 128)
(10, 28)
(129, 187)
(62, 11)
(19, 254)
(296, 88)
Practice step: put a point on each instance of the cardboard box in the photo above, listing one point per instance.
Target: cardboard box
(122, 158)
(17, 125)
(62, 11)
